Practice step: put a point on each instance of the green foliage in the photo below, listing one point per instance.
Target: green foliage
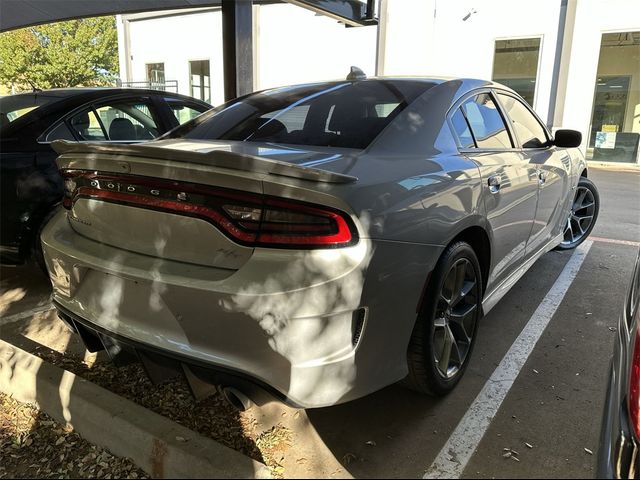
(64, 54)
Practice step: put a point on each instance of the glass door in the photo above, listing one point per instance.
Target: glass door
(615, 120)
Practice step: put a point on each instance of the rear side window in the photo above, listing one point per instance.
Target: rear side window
(486, 122)
(345, 114)
(183, 113)
(461, 127)
(123, 120)
(528, 130)
(60, 132)
(128, 120)
(86, 126)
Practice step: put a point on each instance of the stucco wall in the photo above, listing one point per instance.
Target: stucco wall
(296, 46)
(175, 40)
(431, 37)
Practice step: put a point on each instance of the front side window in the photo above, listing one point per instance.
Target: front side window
(487, 125)
(346, 114)
(528, 130)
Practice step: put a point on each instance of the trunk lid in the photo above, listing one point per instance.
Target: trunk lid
(320, 164)
(195, 202)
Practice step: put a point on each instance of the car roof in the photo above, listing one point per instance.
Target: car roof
(63, 100)
(64, 93)
(465, 84)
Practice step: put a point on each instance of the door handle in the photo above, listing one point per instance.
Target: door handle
(542, 177)
(494, 183)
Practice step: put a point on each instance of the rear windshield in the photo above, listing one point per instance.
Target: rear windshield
(15, 106)
(348, 115)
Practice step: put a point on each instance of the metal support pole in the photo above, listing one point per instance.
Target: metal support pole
(237, 46)
(561, 63)
(381, 38)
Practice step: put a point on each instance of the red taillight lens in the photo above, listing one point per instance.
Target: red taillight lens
(284, 222)
(246, 218)
(634, 386)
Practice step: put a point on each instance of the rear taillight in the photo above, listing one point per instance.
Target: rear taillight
(247, 218)
(634, 386)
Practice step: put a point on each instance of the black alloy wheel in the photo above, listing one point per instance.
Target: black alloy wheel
(445, 331)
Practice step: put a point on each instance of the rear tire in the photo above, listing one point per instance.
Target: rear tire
(445, 331)
(583, 215)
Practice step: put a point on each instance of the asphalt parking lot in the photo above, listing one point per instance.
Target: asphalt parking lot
(551, 413)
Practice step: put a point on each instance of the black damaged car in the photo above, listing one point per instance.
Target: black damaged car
(31, 187)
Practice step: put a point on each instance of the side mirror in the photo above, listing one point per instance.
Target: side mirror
(567, 138)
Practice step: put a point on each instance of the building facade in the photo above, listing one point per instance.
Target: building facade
(577, 62)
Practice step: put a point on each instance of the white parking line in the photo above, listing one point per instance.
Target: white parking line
(26, 314)
(454, 456)
(616, 241)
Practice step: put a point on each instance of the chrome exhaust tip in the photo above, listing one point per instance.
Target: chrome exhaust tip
(236, 399)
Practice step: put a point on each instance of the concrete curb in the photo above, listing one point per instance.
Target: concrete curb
(619, 167)
(119, 425)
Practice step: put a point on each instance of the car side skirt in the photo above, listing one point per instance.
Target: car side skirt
(494, 296)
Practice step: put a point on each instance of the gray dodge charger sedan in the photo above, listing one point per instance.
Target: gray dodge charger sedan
(318, 242)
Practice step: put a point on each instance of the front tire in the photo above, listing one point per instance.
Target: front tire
(583, 215)
(445, 331)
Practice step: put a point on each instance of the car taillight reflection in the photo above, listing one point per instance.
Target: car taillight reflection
(247, 218)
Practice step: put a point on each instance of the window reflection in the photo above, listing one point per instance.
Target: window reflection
(486, 122)
(527, 128)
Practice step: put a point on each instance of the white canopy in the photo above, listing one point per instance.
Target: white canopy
(23, 13)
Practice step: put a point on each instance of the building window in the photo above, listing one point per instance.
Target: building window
(155, 74)
(200, 80)
(615, 121)
(515, 64)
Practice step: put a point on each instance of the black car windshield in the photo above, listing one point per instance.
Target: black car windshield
(15, 106)
(338, 114)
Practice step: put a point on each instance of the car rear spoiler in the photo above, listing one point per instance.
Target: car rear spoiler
(215, 158)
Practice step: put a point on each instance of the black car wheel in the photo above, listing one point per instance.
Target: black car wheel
(445, 331)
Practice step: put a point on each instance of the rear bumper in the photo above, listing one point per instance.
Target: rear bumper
(161, 364)
(291, 321)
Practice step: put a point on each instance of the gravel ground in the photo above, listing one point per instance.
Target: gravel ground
(32, 445)
(212, 417)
